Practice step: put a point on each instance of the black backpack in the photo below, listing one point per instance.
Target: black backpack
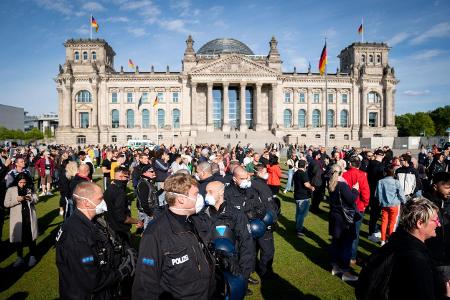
(373, 282)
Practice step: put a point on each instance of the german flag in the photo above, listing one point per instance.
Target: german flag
(155, 102)
(94, 23)
(131, 64)
(323, 60)
(361, 29)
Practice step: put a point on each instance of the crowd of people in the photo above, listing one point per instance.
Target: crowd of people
(206, 214)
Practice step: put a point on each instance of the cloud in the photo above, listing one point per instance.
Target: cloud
(437, 31)
(398, 38)
(145, 8)
(83, 30)
(413, 93)
(117, 20)
(176, 25)
(427, 54)
(185, 8)
(220, 24)
(137, 32)
(301, 63)
(93, 6)
(61, 6)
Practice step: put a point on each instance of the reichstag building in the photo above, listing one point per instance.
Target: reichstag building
(224, 91)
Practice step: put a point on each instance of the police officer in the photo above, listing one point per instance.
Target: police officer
(231, 224)
(174, 262)
(147, 194)
(242, 196)
(90, 264)
(265, 244)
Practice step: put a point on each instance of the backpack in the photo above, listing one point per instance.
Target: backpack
(373, 282)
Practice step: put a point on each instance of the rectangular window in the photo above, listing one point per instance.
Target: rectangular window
(301, 98)
(330, 98)
(160, 97)
(373, 118)
(144, 97)
(84, 120)
(344, 98)
(129, 97)
(287, 97)
(316, 98)
(114, 139)
(114, 97)
(175, 97)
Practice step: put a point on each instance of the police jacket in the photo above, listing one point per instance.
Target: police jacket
(265, 195)
(147, 196)
(118, 208)
(246, 200)
(237, 224)
(173, 263)
(85, 259)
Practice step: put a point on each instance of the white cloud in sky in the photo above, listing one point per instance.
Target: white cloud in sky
(117, 20)
(61, 6)
(414, 93)
(83, 30)
(137, 31)
(176, 25)
(437, 31)
(427, 54)
(397, 39)
(93, 6)
(145, 8)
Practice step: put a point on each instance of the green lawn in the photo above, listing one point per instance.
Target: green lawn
(302, 264)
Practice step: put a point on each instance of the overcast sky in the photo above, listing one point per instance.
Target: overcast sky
(154, 33)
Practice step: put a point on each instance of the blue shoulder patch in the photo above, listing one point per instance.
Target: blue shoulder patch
(148, 261)
(87, 259)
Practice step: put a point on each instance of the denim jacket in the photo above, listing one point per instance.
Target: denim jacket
(389, 192)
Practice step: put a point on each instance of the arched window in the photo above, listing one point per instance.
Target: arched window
(316, 118)
(317, 136)
(77, 55)
(371, 58)
(145, 118)
(287, 118)
(346, 137)
(129, 137)
(176, 118)
(332, 137)
(84, 96)
(330, 118)
(130, 118)
(378, 59)
(161, 118)
(115, 118)
(363, 58)
(94, 55)
(85, 55)
(344, 118)
(373, 97)
(302, 118)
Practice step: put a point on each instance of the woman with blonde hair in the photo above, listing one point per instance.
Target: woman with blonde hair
(67, 174)
(341, 223)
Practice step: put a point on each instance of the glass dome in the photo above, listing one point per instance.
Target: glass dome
(220, 46)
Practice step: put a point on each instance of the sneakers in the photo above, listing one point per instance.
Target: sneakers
(382, 243)
(284, 192)
(377, 234)
(49, 194)
(374, 238)
(300, 235)
(61, 212)
(42, 194)
(336, 270)
(349, 277)
(19, 261)
(32, 261)
(252, 280)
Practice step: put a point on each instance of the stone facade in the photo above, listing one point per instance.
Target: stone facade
(202, 102)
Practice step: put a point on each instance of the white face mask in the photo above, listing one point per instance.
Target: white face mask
(245, 184)
(265, 176)
(210, 200)
(99, 208)
(199, 203)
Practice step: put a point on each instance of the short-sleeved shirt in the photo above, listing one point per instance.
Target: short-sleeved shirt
(107, 164)
(300, 191)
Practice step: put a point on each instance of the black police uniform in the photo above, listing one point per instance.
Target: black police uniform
(87, 261)
(246, 200)
(118, 210)
(265, 244)
(173, 262)
(237, 224)
(147, 196)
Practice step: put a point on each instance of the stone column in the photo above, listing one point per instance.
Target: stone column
(122, 111)
(94, 106)
(69, 106)
(323, 117)
(309, 108)
(257, 102)
(226, 116)
(337, 117)
(194, 101)
(363, 110)
(61, 113)
(243, 126)
(295, 98)
(275, 94)
(389, 109)
(209, 106)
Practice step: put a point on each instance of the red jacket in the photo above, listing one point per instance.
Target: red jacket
(274, 175)
(352, 176)
(40, 166)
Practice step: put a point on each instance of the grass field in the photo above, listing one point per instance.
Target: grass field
(302, 264)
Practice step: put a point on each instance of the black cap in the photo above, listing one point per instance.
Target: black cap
(315, 153)
(379, 152)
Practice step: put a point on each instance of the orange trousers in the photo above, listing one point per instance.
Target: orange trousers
(388, 219)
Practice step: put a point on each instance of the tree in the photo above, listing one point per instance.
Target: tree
(422, 124)
(441, 119)
(48, 132)
(34, 134)
(403, 122)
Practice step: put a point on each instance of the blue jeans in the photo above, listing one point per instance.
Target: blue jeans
(356, 240)
(289, 181)
(301, 210)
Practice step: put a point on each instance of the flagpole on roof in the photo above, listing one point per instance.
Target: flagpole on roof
(362, 32)
(90, 25)
(326, 102)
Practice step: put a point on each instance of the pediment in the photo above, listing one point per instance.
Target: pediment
(84, 106)
(234, 64)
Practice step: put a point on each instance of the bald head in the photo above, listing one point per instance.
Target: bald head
(239, 171)
(204, 170)
(83, 170)
(214, 186)
(87, 190)
(240, 176)
(217, 190)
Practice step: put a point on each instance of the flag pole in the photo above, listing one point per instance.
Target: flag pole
(157, 127)
(90, 25)
(362, 33)
(326, 103)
